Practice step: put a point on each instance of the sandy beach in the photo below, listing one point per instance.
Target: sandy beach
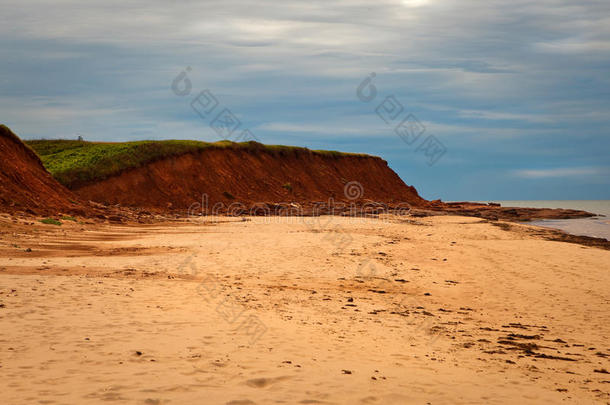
(327, 310)
(335, 203)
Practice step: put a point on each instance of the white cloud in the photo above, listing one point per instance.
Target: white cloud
(494, 115)
(573, 46)
(561, 172)
(338, 127)
(415, 3)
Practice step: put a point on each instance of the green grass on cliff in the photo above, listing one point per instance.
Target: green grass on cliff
(75, 163)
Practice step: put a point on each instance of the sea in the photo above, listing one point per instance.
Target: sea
(598, 226)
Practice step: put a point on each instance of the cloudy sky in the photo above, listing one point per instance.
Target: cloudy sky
(517, 93)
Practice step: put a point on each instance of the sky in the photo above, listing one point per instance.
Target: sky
(466, 100)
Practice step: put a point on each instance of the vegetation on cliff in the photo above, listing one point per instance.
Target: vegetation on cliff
(76, 162)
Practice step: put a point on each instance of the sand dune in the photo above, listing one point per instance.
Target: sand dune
(301, 310)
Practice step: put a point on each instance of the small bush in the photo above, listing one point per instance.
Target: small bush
(50, 221)
(68, 218)
(287, 186)
(228, 195)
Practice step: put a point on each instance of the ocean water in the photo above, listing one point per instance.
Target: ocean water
(598, 227)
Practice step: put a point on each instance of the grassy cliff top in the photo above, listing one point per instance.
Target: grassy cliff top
(75, 163)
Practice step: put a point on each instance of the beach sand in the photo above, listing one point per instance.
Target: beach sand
(330, 310)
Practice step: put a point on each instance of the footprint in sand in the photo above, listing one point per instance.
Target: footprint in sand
(265, 382)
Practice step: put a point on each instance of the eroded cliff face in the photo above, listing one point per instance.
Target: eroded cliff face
(232, 176)
(25, 185)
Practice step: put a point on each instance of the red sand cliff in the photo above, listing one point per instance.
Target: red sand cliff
(295, 182)
(250, 177)
(25, 185)
(298, 179)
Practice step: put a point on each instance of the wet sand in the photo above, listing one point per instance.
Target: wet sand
(301, 310)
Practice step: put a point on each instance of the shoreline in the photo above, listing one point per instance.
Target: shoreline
(484, 211)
